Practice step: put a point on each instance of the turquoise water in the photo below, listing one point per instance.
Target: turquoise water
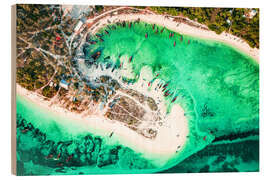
(217, 86)
(51, 144)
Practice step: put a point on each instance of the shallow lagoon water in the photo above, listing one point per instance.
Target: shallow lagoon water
(217, 86)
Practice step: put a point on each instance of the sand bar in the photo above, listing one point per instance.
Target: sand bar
(171, 137)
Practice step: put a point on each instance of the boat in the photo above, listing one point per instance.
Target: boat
(146, 35)
(106, 32)
(156, 31)
(149, 84)
(107, 57)
(162, 30)
(69, 158)
(130, 59)
(170, 35)
(181, 38)
(101, 67)
(99, 35)
(111, 134)
(188, 41)
(153, 27)
(157, 75)
(204, 138)
(165, 85)
(174, 99)
(129, 25)
(167, 93)
(113, 69)
(96, 55)
(101, 40)
(174, 43)
(93, 42)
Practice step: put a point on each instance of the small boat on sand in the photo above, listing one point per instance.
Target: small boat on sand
(111, 134)
(113, 69)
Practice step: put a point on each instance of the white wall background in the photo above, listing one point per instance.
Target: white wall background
(5, 87)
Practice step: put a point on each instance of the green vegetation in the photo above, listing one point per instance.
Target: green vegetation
(99, 8)
(237, 21)
(39, 41)
(34, 75)
(48, 91)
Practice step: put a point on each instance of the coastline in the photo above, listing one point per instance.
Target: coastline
(158, 150)
(181, 28)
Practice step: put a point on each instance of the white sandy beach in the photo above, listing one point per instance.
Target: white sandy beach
(181, 28)
(171, 136)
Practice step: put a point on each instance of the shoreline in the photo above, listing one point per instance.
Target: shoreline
(180, 28)
(158, 150)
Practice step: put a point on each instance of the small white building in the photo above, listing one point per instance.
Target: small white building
(51, 84)
(75, 44)
(64, 84)
(252, 13)
(228, 21)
